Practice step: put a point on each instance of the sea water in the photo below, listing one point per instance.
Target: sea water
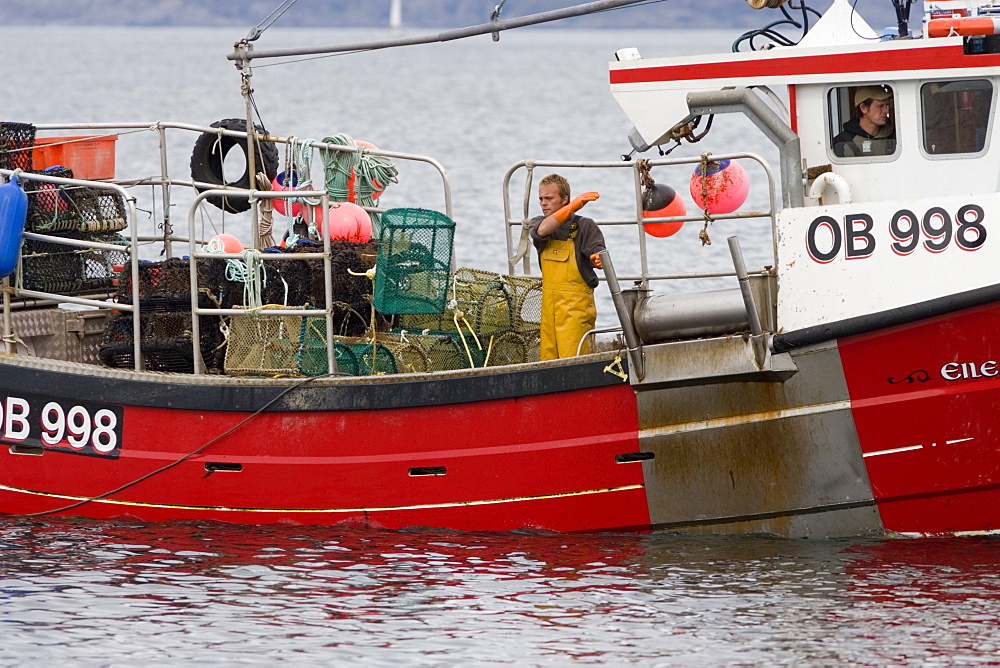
(126, 593)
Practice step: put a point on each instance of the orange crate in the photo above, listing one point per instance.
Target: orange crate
(90, 158)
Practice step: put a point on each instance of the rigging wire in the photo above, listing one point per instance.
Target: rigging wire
(496, 10)
(259, 29)
(854, 11)
(638, 4)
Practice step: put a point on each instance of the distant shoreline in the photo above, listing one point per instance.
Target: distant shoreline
(422, 15)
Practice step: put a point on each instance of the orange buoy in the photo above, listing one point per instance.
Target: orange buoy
(225, 243)
(662, 201)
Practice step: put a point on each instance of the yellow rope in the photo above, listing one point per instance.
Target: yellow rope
(370, 274)
(489, 351)
(458, 326)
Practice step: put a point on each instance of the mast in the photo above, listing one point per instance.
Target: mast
(396, 16)
(244, 49)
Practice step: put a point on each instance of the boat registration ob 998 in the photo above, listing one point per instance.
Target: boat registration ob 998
(342, 370)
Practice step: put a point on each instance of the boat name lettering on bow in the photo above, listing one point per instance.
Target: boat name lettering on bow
(967, 370)
(79, 428)
(857, 236)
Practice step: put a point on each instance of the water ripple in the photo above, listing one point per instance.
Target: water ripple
(99, 592)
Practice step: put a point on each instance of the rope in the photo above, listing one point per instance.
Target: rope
(338, 166)
(459, 315)
(703, 235)
(489, 351)
(249, 271)
(372, 175)
(645, 179)
(14, 340)
(525, 241)
(370, 274)
(266, 209)
(298, 171)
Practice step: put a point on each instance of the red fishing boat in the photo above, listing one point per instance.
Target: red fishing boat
(845, 387)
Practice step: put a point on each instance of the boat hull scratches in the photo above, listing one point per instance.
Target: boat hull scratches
(757, 457)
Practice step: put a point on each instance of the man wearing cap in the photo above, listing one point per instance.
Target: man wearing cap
(872, 131)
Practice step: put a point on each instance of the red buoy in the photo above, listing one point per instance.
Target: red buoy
(278, 185)
(662, 201)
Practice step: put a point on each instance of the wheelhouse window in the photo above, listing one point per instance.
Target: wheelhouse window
(956, 115)
(862, 121)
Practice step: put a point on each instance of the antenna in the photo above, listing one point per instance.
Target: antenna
(903, 16)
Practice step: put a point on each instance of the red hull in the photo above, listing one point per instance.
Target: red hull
(537, 448)
(544, 462)
(924, 419)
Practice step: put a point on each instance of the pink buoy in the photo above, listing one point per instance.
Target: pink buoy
(347, 221)
(726, 186)
(279, 185)
(662, 201)
(51, 199)
(225, 243)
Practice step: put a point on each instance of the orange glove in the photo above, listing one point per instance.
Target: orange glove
(595, 259)
(563, 214)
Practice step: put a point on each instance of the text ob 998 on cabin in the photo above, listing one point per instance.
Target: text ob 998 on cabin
(859, 235)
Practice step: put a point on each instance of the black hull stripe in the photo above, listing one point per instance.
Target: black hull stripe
(874, 321)
(383, 393)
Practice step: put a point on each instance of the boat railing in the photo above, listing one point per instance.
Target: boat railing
(515, 225)
(194, 254)
(168, 183)
(192, 242)
(10, 291)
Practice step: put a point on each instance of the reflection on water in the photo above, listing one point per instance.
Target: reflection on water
(102, 592)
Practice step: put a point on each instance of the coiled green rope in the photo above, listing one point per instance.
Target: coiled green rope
(373, 174)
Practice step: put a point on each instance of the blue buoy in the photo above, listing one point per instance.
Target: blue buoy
(13, 213)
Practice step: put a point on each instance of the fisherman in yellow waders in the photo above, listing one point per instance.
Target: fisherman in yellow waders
(567, 251)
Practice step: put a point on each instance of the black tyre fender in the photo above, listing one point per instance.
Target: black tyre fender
(210, 152)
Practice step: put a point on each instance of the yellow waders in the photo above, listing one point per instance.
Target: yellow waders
(568, 310)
